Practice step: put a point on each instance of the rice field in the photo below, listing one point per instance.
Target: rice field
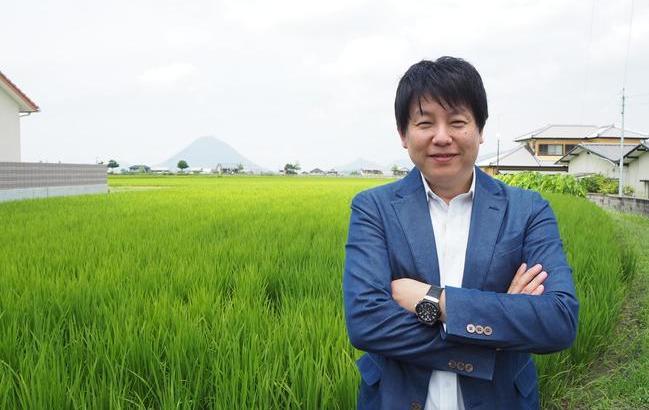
(205, 292)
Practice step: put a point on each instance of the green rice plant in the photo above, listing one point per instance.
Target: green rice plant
(208, 292)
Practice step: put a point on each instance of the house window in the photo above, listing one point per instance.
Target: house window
(568, 148)
(550, 149)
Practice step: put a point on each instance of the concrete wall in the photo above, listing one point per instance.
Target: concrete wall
(22, 180)
(622, 204)
(9, 129)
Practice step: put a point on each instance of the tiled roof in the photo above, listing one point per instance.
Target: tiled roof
(25, 104)
(578, 131)
(610, 152)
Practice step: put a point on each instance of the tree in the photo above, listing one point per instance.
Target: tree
(292, 169)
(239, 168)
(182, 165)
(395, 169)
(112, 164)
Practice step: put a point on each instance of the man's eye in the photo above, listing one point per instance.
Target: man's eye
(424, 124)
(458, 123)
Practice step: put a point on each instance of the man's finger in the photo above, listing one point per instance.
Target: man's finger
(538, 291)
(514, 285)
(523, 279)
(535, 283)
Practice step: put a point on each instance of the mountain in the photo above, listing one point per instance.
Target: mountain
(208, 152)
(402, 162)
(358, 164)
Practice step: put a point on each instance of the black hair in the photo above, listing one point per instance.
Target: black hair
(449, 81)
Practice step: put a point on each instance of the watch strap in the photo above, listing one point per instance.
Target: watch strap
(435, 292)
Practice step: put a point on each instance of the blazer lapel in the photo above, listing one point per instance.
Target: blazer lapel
(489, 205)
(414, 217)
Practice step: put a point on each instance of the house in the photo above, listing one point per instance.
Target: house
(541, 149)
(399, 171)
(552, 142)
(316, 171)
(139, 168)
(518, 159)
(13, 105)
(332, 171)
(228, 169)
(588, 159)
(160, 170)
(371, 172)
(24, 180)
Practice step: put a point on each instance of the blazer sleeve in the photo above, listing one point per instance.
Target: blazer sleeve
(375, 322)
(539, 324)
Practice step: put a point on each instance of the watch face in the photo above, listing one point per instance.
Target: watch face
(427, 312)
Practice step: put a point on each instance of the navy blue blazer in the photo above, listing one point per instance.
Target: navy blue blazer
(391, 237)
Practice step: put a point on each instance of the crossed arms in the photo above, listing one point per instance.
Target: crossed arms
(527, 319)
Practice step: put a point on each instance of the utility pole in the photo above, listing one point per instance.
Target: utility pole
(498, 156)
(621, 176)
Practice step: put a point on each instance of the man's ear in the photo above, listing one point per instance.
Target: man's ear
(481, 138)
(404, 140)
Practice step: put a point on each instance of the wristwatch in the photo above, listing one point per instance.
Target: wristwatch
(427, 309)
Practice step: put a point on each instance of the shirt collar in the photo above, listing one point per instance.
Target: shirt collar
(431, 195)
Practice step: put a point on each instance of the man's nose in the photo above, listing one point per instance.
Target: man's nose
(442, 136)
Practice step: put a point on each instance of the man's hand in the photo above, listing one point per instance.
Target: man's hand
(528, 281)
(408, 292)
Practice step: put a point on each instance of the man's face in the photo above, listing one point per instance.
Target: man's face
(442, 144)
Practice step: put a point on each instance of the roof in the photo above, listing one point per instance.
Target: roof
(579, 131)
(520, 156)
(609, 152)
(24, 103)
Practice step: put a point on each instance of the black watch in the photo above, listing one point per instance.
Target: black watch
(427, 309)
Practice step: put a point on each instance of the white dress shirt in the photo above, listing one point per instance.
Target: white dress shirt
(451, 229)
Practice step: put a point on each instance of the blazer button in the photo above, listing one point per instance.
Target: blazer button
(479, 329)
(488, 330)
(452, 364)
(470, 328)
(468, 367)
(415, 405)
(460, 366)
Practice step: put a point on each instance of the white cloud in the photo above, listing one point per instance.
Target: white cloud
(166, 75)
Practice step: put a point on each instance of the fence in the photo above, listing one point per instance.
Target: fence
(23, 180)
(622, 204)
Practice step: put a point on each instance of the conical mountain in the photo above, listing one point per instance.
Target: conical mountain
(208, 152)
(358, 164)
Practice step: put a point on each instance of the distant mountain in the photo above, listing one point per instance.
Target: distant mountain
(208, 152)
(359, 164)
(405, 163)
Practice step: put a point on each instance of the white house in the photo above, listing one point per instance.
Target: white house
(588, 159)
(13, 105)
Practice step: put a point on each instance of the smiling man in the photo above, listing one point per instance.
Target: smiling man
(451, 277)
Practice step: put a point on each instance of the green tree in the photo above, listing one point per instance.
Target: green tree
(112, 164)
(292, 169)
(182, 165)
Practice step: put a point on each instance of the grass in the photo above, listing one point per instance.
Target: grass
(218, 293)
(619, 378)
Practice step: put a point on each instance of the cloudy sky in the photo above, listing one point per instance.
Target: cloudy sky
(311, 81)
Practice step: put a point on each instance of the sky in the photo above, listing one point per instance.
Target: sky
(314, 82)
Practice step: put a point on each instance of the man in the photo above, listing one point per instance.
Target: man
(452, 278)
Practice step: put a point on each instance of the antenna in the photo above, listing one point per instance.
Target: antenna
(621, 178)
(626, 66)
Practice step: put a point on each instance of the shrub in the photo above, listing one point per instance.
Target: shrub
(553, 183)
